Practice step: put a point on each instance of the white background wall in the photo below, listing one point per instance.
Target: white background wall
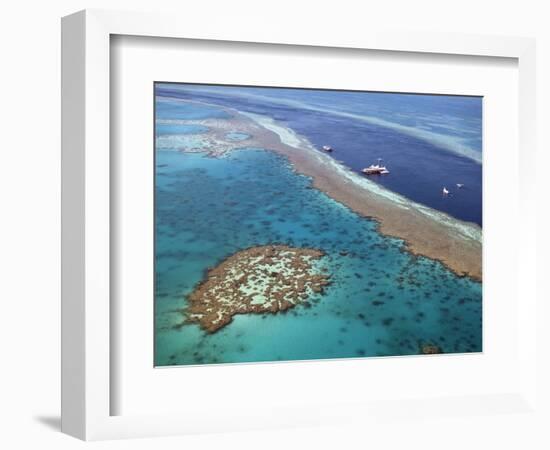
(29, 224)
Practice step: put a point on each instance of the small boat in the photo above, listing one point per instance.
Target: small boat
(459, 185)
(376, 169)
(445, 191)
(327, 148)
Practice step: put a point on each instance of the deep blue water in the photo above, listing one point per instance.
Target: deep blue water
(420, 164)
(382, 301)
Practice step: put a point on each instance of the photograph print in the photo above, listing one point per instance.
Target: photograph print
(306, 224)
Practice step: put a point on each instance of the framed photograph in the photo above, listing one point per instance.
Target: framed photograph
(292, 215)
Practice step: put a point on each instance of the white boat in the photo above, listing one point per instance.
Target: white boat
(445, 191)
(327, 148)
(376, 169)
(459, 185)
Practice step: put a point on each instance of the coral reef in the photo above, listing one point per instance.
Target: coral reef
(258, 280)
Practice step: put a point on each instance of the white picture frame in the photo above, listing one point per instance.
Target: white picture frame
(86, 284)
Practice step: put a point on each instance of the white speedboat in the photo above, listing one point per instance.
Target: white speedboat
(327, 148)
(376, 169)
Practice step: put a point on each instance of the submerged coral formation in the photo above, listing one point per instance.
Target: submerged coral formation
(258, 280)
(430, 349)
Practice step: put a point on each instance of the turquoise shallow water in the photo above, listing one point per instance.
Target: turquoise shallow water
(382, 301)
(162, 129)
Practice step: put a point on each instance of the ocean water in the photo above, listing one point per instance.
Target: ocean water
(382, 300)
(176, 129)
(427, 141)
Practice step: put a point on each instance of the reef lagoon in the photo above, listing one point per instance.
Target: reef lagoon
(226, 186)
